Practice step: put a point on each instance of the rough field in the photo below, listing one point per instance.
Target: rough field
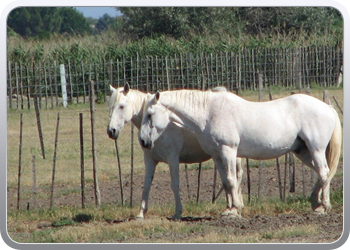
(280, 224)
(264, 219)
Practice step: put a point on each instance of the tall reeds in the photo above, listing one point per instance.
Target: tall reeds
(111, 45)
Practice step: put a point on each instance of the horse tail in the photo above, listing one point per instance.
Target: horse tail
(334, 148)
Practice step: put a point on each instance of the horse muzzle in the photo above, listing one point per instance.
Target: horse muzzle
(146, 144)
(112, 133)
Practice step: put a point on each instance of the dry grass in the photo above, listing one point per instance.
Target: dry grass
(23, 226)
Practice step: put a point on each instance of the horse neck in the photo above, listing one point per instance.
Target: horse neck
(192, 111)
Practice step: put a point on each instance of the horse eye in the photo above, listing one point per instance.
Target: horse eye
(121, 107)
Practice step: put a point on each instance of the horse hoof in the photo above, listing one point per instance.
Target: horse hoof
(176, 218)
(231, 213)
(139, 217)
(320, 210)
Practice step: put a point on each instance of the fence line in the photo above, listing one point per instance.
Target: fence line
(256, 184)
(294, 67)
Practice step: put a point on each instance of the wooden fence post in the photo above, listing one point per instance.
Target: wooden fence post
(34, 183)
(120, 173)
(93, 139)
(248, 180)
(63, 85)
(187, 183)
(132, 164)
(82, 170)
(20, 161)
(54, 162)
(341, 110)
(10, 94)
(37, 113)
(285, 176)
(199, 180)
(303, 173)
(214, 185)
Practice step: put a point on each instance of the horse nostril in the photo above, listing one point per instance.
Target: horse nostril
(112, 132)
(143, 143)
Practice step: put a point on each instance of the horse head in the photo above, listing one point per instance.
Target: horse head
(120, 110)
(156, 118)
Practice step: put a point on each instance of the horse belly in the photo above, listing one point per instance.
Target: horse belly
(261, 153)
(267, 148)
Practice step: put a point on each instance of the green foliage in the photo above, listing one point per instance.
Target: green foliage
(104, 23)
(165, 32)
(44, 21)
(175, 21)
(63, 222)
(185, 21)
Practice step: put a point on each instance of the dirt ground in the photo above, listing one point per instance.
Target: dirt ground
(331, 224)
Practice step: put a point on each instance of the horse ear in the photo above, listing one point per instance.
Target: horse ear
(126, 88)
(176, 120)
(157, 95)
(111, 89)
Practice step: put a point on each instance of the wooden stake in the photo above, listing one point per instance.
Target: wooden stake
(82, 174)
(341, 110)
(54, 162)
(20, 161)
(248, 180)
(187, 183)
(199, 180)
(94, 155)
(120, 173)
(38, 122)
(34, 183)
(132, 164)
(214, 185)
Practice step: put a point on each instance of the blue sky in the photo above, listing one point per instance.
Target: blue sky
(97, 12)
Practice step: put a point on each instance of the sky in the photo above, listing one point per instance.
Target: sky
(97, 12)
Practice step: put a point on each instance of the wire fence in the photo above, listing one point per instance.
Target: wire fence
(249, 69)
(293, 67)
(261, 179)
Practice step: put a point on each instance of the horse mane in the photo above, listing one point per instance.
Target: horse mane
(191, 100)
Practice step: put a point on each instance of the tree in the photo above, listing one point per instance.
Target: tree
(183, 21)
(174, 21)
(74, 22)
(36, 21)
(285, 19)
(104, 23)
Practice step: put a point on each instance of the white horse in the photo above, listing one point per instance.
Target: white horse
(228, 126)
(176, 145)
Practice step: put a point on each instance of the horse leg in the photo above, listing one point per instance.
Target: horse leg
(228, 156)
(318, 163)
(150, 166)
(175, 186)
(239, 180)
(221, 169)
(322, 187)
